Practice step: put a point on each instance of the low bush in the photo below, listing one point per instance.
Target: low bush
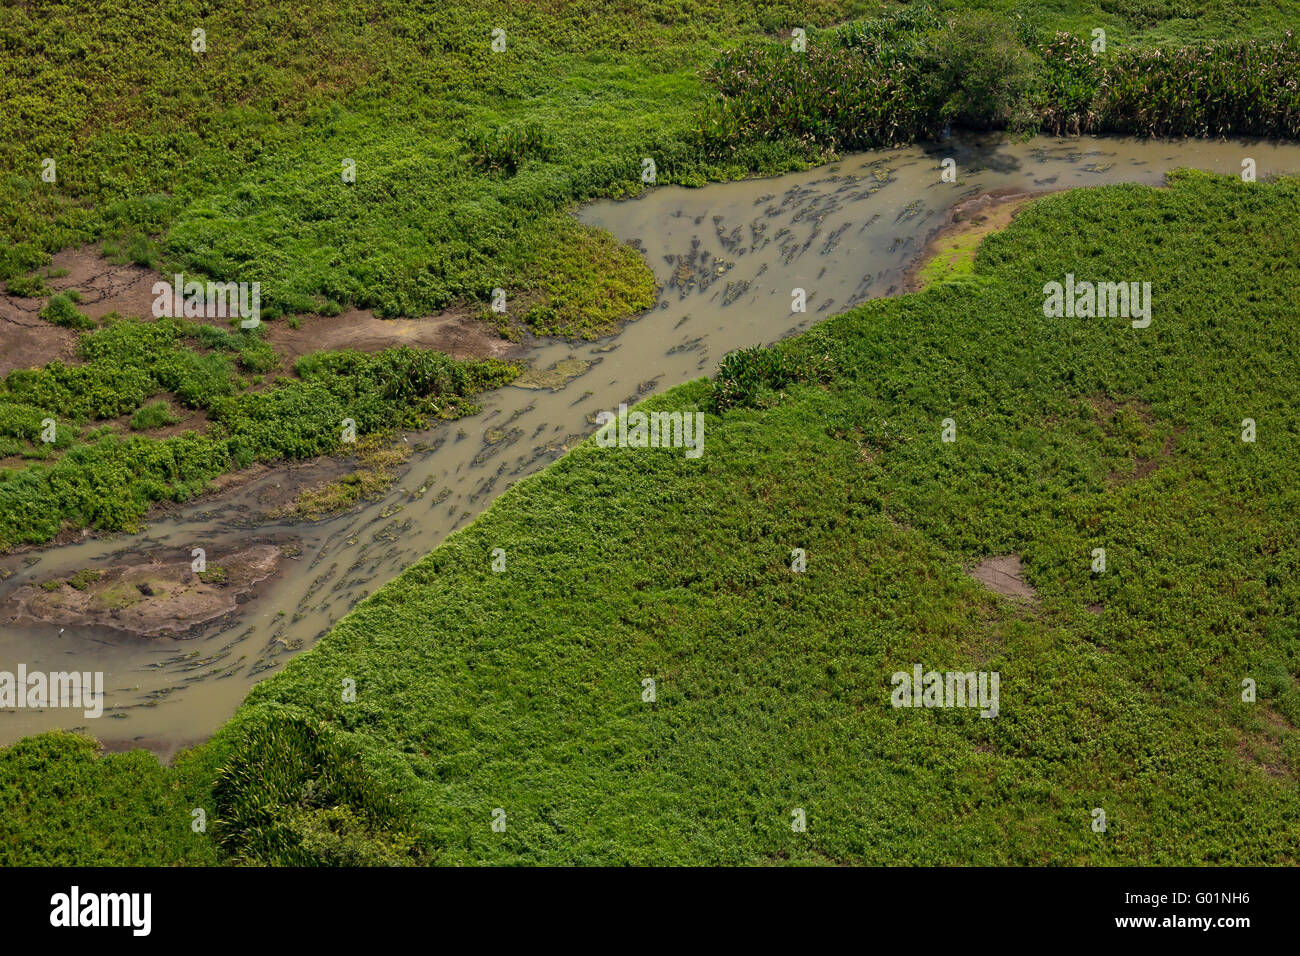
(62, 310)
(153, 415)
(29, 286)
(755, 377)
(506, 149)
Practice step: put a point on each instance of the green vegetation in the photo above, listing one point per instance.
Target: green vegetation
(757, 377)
(523, 690)
(105, 480)
(84, 578)
(62, 310)
(377, 461)
(154, 415)
(505, 150)
(213, 575)
(28, 286)
(951, 258)
(296, 791)
(899, 78)
(955, 262)
(60, 801)
(80, 581)
(229, 163)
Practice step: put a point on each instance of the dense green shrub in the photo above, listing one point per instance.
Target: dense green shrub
(62, 799)
(978, 62)
(153, 415)
(1222, 89)
(506, 149)
(755, 377)
(899, 78)
(27, 286)
(62, 310)
(862, 91)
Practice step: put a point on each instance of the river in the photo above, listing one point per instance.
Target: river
(726, 257)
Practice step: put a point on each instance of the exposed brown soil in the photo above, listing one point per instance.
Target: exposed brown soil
(457, 333)
(1004, 575)
(986, 213)
(151, 599)
(105, 287)
(29, 341)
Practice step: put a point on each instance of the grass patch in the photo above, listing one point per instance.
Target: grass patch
(154, 415)
(83, 579)
(215, 575)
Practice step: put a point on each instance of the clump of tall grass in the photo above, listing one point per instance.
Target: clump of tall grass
(294, 793)
(153, 415)
(505, 149)
(1220, 89)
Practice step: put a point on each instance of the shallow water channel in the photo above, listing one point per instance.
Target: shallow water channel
(726, 257)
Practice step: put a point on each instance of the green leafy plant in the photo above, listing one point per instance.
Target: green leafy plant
(154, 415)
(62, 310)
(755, 377)
(28, 286)
(506, 149)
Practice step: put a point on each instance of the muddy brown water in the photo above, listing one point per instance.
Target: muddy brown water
(726, 256)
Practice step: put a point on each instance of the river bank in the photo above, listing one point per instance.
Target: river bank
(727, 259)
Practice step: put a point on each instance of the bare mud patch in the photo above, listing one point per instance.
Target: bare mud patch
(950, 250)
(154, 598)
(455, 332)
(263, 492)
(555, 377)
(1005, 575)
(28, 341)
(105, 287)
